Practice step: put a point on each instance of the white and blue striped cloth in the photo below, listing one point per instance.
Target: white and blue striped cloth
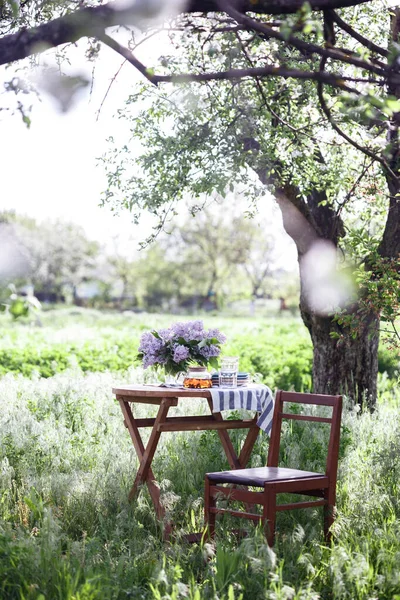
(256, 397)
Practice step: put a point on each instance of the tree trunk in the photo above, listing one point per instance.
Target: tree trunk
(350, 365)
(390, 243)
(346, 366)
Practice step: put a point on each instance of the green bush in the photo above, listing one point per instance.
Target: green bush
(388, 361)
(56, 358)
(284, 364)
(279, 351)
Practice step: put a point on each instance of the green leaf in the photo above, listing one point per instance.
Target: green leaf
(213, 361)
(286, 30)
(308, 28)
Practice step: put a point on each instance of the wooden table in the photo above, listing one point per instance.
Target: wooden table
(127, 395)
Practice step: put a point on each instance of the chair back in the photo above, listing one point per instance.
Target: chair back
(308, 399)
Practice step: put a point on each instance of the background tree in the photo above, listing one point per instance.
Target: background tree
(213, 243)
(160, 280)
(56, 255)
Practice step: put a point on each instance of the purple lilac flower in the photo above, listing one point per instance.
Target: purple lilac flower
(196, 330)
(215, 333)
(210, 351)
(166, 334)
(192, 330)
(165, 348)
(180, 353)
(153, 350)
(179, 330)
(149, 343)
(149, 360)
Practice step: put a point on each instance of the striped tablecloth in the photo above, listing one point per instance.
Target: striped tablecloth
(253, 397)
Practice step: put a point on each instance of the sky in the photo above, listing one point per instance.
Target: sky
(50, 170)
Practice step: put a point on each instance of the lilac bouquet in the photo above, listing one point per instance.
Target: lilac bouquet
(181, 345)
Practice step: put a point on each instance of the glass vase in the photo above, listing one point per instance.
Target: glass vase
(174, 379)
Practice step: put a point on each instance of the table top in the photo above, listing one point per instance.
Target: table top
(153, 391)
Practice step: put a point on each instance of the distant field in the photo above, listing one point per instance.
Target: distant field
(277, 349)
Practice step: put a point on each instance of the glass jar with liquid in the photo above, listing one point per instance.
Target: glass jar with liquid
(197, 378)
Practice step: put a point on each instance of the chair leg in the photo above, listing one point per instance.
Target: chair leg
(209, 517)
(269, 515)
(329, 514)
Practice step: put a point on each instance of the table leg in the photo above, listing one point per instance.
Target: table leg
(140, 451)
(145, 455)
(249, 442)
(151, 447)
(226, 442)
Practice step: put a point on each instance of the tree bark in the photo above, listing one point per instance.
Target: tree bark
(347, 366)
(390, 243)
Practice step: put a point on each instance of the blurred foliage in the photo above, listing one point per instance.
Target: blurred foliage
(205, 262)
(49, 256)
(18, 305)
(378, 282)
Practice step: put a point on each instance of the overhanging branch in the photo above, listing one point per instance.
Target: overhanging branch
(296, 42)
(328, 78)
(357, 36)
(127, 54)
(327, 112)
(90, 21)
(271, 7)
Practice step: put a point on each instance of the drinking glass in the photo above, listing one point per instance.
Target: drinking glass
(229, 371)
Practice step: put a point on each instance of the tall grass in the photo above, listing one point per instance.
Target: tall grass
(67, 530)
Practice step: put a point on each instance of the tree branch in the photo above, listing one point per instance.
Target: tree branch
(127, 54)
(85, 22)
(89, 21)
(310, 49)
(335, 126)
(357, 36)
(328, 78)
(354, 186)
(271, 7)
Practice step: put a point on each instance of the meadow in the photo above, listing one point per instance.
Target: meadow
(67, 530)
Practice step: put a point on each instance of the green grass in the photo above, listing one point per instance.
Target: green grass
(67, 531)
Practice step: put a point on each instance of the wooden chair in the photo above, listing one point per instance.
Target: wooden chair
(277, 480)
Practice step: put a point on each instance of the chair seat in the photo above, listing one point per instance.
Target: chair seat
(259, 476)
